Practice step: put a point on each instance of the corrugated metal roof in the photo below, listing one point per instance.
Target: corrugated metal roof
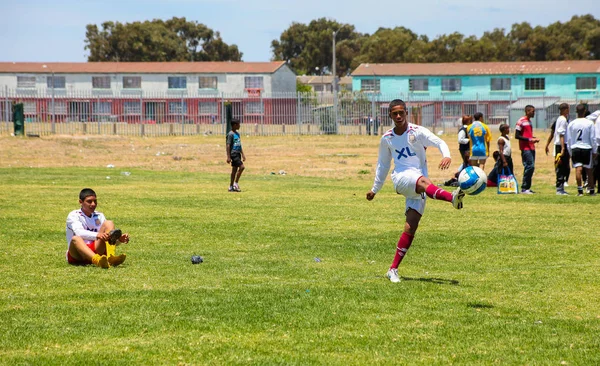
(142, 67)
(479, 68)
(537, 102)
(325, 79)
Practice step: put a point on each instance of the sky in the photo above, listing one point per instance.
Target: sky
(54, 30)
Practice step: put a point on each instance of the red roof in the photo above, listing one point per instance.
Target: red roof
(479, 68)
(142, 67)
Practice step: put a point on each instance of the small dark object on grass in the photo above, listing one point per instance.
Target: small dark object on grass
(197, 259)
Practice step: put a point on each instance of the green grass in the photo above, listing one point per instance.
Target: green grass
(507, 280)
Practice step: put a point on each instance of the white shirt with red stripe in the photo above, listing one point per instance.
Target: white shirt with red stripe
(407, 151)
(81, 225)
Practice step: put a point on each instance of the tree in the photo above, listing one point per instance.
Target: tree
(173, 40)
(306, 47)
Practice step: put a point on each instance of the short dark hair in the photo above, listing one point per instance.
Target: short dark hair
(503, 126)
(563, 106)
(235, 120)
(477, 116)
(580, 109)
(528, 107)
(86, 192)
(396, 102)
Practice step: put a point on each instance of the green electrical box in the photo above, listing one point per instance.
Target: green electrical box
(18, 119)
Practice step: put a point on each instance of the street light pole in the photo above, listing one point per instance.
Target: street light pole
(53, 110)
(334, 80)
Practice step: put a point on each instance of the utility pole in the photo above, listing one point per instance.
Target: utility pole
(334, 81)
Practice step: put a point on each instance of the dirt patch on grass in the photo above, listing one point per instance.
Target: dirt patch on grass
(320, 156)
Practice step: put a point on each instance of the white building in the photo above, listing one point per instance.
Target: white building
(190, 78)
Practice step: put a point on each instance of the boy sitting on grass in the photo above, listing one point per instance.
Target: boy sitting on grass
(90, 237)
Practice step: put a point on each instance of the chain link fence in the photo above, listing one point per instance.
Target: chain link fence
(140, 113)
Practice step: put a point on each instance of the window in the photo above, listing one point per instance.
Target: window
(130, 108)
(60, 107)
(500, 110)
(207, 82)
(210, 108)
(584, 83)
(177, 107)
(56, 82)
(132, 82)
(452, 110)
(101, 107)
(535, 83)
(31, 107)
(497, 84)
(253, 82)
(451, 84)
(101, 82)
(418, 84)
(370, 85)
(25, 81)
(253, 108)
(177, 82)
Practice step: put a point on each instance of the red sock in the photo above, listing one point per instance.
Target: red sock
(403, 245)
(437, 193)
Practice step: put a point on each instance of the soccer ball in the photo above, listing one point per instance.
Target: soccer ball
(472, 180)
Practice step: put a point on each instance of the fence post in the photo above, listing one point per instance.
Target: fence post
(182, 117)
(510, 109)
(374, 117)
(142, 113)
(262, 115)
(545, 111)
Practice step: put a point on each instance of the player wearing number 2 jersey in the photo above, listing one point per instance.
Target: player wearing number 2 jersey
(405, 144)
(582, 145)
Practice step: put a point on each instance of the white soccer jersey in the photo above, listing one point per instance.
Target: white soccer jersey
(595, 117)
(81, 225)
(407, 151)
(581, 134)
(560, 129)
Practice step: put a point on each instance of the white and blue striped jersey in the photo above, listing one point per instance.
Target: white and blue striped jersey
(407, 151)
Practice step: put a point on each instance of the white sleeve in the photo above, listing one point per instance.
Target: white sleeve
(568, 139)
(383, 165)
(462, 137)
(430, 139)
(594, 116)
(77, 228)
(598, 131)
(561, 127)
(594, 139)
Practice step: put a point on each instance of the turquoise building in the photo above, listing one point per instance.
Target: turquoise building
(497, 89)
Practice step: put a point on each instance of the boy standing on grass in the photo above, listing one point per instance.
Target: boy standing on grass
(406, 144)
(90, 237)
(582, 146)
(235, 155)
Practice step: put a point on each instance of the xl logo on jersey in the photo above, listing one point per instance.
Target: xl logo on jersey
(401, 153)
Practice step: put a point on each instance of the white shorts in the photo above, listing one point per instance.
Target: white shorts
(405, 184)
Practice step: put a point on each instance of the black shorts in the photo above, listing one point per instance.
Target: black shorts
(581, 157)
(236, 160)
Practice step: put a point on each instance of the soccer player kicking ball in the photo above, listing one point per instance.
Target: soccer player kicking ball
(90, 237)
(406, 144)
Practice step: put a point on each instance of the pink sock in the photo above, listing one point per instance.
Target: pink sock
(403, 245)
(437, 193)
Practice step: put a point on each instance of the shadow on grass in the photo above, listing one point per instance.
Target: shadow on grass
(477, 305)
(440, 281)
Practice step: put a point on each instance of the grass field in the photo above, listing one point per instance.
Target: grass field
(510, 280)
